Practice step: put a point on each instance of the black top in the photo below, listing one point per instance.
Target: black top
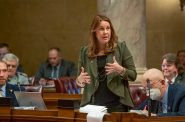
(103, 96)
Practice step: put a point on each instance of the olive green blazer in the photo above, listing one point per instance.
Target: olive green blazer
(117, 83)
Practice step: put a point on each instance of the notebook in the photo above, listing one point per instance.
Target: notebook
(30, 99)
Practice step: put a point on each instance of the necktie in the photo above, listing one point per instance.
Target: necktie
(55, 72)
(170, 82)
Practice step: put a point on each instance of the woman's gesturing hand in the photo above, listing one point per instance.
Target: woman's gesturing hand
(83, 78)
(114, 67)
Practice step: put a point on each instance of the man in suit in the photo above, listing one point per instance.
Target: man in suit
(168, 99)
(14, 77)
(7, 90)
(54, 68)
(172, 69)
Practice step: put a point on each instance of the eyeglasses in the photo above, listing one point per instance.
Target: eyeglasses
(166, 65)
(153, 84)
(13, 66)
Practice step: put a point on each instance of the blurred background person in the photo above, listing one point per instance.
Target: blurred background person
(55, 67)
(172, 69)
(6, 89)
(4, 49)
(14, 77)
(181, 56)
(167, 99)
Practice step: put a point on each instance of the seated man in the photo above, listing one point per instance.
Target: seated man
(167, 99)
(6, 89)
(172, 69)
(14, 76)
(181, 56)
(55, 67)
(5, 49)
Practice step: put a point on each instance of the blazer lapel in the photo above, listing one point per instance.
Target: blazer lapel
(62, 70)
(178, 79)
(110, 60)
(8, 91)
(93, 67)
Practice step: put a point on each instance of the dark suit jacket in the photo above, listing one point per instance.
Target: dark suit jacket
(176, 102)
(180, 78)
(10, 93)
(66, 69)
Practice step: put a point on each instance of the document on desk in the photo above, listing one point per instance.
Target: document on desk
(95, 116)
(93, 108)
(25, 108)
(95, 113)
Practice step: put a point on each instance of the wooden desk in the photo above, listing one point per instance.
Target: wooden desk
(13, 115)
(130, 117)
(34, 115)
(158, 119)
(51, 99)
(5, 114)
(81, 117)
(8, 114)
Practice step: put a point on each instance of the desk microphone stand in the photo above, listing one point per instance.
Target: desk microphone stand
(149, 99)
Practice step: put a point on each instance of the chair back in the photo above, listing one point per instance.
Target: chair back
(66, 85)
(138, 93)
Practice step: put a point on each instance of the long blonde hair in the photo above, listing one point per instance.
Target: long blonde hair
(93, 45)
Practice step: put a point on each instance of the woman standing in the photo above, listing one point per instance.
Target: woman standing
(104, 68)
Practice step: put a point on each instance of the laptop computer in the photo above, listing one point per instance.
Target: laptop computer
(30, 99)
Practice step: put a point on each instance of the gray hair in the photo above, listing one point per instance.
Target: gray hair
(172, 59)
(10, 57)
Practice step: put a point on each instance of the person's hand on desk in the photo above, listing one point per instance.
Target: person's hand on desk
(50, 82)
(142, 112)
(146, 112)
(83, 78)
(42, 81)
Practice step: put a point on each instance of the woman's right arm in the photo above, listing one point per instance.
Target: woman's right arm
(82, 76)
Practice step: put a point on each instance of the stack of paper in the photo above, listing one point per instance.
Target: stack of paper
(95, 113)
(93, 108)
(25, 108)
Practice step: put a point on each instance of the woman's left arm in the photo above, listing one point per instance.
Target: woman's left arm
(128, 64)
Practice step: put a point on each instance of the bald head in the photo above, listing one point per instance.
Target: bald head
(154, 75)
(54, 56)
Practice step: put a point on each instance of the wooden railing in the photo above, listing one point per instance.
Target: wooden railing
(12, 115)
(56, 114)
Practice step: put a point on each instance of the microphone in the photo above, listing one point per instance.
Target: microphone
(149, 100)
(19, 86)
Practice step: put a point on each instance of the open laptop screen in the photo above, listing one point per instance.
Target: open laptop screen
(30, 99)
